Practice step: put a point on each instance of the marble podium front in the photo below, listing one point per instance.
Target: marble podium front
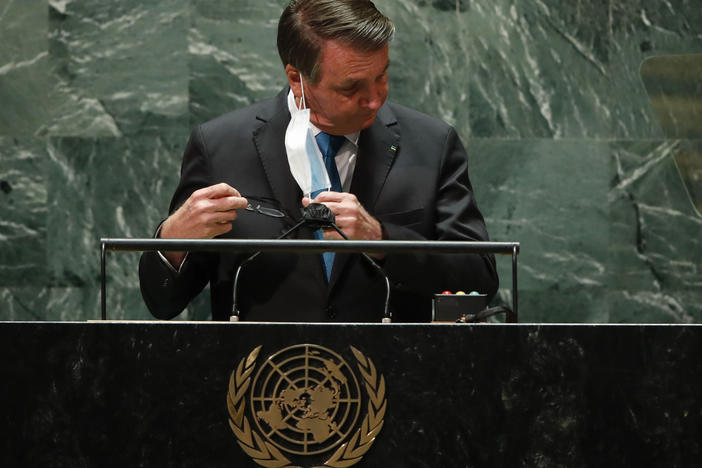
(155, 394)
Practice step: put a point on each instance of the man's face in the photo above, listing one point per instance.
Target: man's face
(351, 87)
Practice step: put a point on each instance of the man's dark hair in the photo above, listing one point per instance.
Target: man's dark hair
(305, 24)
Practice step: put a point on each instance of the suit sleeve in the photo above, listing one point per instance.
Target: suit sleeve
(456, 217)
(166, 291)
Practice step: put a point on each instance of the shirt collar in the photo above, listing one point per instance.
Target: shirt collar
(292, 107)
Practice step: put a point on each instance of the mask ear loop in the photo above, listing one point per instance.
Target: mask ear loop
(303, 104)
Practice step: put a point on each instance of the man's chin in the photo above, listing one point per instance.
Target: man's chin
(368, 122)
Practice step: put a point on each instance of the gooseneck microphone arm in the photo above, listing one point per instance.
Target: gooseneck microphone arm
(315, 215)
(234, 317)
(387, 317)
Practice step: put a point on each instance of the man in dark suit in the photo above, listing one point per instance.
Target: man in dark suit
(400, 175)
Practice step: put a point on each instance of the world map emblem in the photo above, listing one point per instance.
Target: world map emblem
(305, 405)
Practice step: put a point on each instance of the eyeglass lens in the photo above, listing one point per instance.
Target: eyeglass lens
(264, 210)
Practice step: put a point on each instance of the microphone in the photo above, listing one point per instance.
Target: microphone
(316, 216)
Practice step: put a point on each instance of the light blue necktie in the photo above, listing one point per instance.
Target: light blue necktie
(329, 145)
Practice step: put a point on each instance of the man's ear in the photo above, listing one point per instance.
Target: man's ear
(294, 80)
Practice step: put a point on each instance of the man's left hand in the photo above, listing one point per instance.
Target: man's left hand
(350, 216)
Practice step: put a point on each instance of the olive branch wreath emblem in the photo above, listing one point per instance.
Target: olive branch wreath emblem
(265, 454)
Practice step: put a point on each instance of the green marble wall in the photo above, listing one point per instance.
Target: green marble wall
(566, 152)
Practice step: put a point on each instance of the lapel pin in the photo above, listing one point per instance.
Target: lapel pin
(393, 148)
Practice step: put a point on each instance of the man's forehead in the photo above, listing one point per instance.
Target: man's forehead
(350, 63)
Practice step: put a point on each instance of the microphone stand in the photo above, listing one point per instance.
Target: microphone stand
(316, 216)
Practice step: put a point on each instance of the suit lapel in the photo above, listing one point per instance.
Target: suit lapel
(270, 144)
(377, 148)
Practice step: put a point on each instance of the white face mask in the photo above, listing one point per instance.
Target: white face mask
(304, 157)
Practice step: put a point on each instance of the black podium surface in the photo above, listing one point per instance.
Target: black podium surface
(158, 394)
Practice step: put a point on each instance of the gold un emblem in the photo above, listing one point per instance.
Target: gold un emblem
(306, 406)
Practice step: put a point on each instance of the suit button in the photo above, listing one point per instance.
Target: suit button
(331, 311)
(165, 283)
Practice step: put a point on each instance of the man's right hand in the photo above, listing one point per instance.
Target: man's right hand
(207, 213)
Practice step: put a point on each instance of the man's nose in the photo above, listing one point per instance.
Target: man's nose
(374, 97)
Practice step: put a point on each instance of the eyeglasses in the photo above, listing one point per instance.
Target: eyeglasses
(265, 206)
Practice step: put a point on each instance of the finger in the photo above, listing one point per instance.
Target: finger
(226, 190)
(220, 228)
(213, 205)
(229, 203)
(331, 234)
(212, 228)
(344, 214)
(306, 201)
(218, 191)
(343, 220)
(331, 197)
(219, 217)
(334, 207)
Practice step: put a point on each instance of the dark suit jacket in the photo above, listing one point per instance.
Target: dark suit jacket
(411, 174)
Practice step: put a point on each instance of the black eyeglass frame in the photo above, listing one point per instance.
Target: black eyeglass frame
(274, 211)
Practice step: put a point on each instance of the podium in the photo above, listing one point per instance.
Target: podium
(176, 394)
